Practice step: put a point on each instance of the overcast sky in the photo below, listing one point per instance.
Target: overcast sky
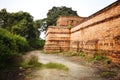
(39, 8)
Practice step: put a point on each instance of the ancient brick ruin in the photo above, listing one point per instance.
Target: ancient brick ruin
(100, 31)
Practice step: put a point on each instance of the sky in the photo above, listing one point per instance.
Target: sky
(39, 8)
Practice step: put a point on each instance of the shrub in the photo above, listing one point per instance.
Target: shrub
(10, 45)
(21, 43)
(12, 42)
(36, 43)
(31, 62)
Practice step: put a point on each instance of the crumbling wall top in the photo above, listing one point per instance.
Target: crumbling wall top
(69, 21)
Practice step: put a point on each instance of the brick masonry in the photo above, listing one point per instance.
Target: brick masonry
(100, 31)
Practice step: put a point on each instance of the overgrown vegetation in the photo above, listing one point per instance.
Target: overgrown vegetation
(10, 47)
(98, 56)
(71, 53)
(107, 74)
(53, 15)
(18, 34)
(32, 62)
(36, 43)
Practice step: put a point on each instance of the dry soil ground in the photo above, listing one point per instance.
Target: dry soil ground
(76, 71)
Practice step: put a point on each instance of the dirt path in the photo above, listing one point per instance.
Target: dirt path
(76, 71)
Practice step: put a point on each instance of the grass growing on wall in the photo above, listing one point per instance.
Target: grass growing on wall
(98, 56)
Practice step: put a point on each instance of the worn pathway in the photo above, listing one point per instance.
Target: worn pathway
(76, 71)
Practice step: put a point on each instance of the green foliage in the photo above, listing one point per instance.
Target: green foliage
(55, 12)
(20, 28)
(81, 54)
(69, 27)
(22, 44)
(10, 45)
(37, 26)
(52, 65)
(31, 62)
(99, 56)
(37, 43)
(20, 23)
(108, 74)
(108, 60)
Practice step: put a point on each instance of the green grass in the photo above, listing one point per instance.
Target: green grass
(81, 54)
(32, 62)
(108, 74)
(70, 53)
(52, 65)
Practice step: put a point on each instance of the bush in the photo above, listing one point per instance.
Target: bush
(12, 42)
(10, 45)
(31, 62)
(36, 43)
(21, 43)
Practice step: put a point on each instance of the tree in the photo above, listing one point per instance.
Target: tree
(55, 12)
(20, 23)
(37, 26)
(40, 26)
(52, 16)
(4, 18)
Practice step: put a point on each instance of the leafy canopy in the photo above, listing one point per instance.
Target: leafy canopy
(20, 23)
(53, 14)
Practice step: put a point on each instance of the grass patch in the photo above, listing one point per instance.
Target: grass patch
(99, 56)
(82, 54)
(70, 53)
(32, 62)
(52, 65)
(107, 74)
(89, 59)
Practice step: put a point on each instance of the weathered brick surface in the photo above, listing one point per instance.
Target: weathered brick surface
(57, 39)
(100, 31)
(69, 21)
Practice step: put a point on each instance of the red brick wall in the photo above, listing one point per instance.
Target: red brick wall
(100, 31)
(69, 21)
(57, 39)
